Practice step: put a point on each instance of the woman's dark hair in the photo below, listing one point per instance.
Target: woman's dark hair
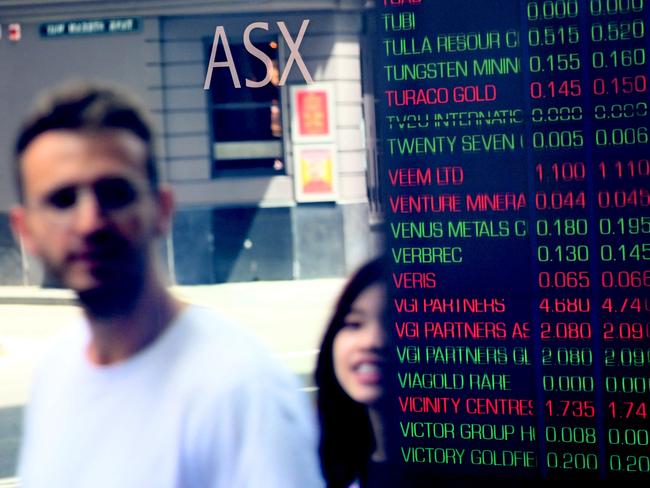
(346, 441)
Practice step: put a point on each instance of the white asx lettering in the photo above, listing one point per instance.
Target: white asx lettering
(294, 55)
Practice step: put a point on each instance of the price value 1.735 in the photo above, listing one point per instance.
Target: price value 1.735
(570, 408)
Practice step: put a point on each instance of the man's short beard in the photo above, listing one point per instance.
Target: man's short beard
(113, 299)
(118, 293)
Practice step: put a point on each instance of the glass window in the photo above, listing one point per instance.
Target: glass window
(246, 122)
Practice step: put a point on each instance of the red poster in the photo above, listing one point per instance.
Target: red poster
(313, 115)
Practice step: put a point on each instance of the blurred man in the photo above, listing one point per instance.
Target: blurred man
(146, 391)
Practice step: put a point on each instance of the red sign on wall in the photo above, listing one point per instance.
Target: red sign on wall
(14, 32)
(312, 113)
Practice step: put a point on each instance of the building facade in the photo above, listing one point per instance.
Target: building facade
(264, 115)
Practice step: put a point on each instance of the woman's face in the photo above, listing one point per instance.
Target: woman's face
(359, 347)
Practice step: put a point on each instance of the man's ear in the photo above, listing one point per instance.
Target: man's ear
(20, 229)
(166, 207)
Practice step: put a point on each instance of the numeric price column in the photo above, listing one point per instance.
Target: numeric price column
(619, 89)
(562, 230)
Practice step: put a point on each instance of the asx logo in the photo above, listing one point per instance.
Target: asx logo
(220, 37)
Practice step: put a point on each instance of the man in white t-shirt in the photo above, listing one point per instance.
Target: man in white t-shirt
(145, 391)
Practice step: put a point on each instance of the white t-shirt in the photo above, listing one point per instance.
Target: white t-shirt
(204, 406)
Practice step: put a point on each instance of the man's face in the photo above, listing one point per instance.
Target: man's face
(89, 212)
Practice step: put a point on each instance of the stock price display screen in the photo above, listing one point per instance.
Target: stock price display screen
(514, 151)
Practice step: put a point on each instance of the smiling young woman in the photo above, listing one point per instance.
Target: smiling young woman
(350, 374)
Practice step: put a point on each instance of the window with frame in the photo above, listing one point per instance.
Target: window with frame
(246, 123)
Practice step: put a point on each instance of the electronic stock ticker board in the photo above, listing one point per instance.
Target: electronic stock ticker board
(514, 151)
